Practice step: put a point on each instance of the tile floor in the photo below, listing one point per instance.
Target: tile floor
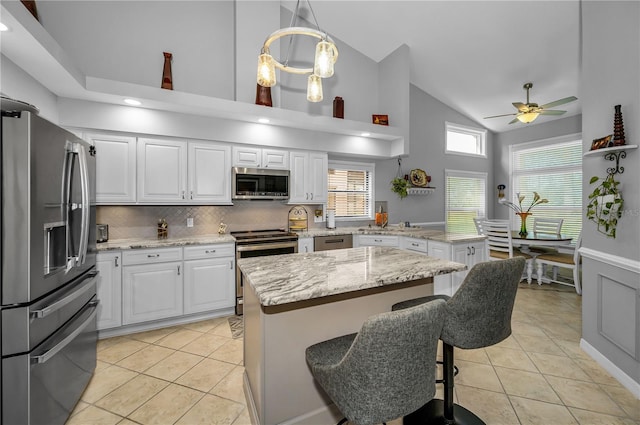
(192, 374)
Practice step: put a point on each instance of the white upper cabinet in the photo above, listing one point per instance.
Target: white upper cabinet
(176, 172)
(260, 158)
(115, 168)
(308, 181)
(209, 172)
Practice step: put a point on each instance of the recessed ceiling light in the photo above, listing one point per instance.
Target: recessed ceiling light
(3, 27)
(365, 134)
(263, 121)
(132, 102)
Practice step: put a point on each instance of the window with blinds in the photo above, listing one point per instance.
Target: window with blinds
(350, 190)
(465, 198)
(553, 168)
(463, 140)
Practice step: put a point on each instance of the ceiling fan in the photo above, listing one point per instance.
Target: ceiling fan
(528, 112)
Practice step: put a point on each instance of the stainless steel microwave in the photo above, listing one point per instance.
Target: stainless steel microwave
(259, 183)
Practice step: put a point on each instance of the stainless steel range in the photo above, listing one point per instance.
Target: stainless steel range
(258, 243)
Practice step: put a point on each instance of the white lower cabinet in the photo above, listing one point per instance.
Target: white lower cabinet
(469, 253)
(209, 278)
(378, 240)
(152, 288)
(305, 245)
(109, 267)
(415, 245)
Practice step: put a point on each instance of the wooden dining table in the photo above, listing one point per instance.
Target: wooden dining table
(540, 239)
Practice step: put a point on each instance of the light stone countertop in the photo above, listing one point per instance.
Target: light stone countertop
(289, 278)
(140, 243)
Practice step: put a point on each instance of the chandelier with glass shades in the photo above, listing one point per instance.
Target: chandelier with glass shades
(326, 56)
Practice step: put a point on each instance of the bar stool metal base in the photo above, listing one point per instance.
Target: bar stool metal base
(433, 413)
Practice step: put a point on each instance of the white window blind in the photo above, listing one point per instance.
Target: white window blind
(350, 190)
(465, 194)
(553, 169)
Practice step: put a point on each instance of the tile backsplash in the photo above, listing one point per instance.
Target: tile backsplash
(137, 221)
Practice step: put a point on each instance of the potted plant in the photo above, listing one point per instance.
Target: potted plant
(400, 186)
(605, 204)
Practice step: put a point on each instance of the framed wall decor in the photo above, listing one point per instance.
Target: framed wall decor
(602, 142)
(380, 119)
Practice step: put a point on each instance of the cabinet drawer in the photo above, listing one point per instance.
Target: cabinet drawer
(377, 240)
(146, 256)
(209, 251)
(413, 244)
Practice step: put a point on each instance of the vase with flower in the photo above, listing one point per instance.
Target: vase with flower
(520, 210)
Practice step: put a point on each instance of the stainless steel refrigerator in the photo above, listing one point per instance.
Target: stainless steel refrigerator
(48, 292)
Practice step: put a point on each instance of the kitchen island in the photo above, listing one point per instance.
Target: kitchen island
(296, 300)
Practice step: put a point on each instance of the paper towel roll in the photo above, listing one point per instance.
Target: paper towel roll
(331, 219)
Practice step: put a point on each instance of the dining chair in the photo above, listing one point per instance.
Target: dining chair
(571, 261)
(545, 226)
(500, 244)
(478, 222)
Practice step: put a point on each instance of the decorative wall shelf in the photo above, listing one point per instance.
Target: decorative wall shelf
(614, 153)
(420, 190)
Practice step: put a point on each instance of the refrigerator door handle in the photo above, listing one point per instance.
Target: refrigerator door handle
(53, 307)
(44, 357)
(84, 183)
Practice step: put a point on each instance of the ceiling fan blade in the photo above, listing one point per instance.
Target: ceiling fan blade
(496, 116)
(559, 102)
(551, 112)
(515, 120)
(521, 106)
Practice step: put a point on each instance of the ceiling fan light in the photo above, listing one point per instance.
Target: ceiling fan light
(528, 117)
(314, 88)
(324, 59)
(266, 70)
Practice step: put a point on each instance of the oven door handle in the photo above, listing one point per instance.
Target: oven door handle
(53, 307)
(262, 247)
(47, 355)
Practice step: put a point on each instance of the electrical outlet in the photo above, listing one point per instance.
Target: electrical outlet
(190, 222)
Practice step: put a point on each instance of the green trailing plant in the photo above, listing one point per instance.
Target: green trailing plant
(605, 204)
(400, 186)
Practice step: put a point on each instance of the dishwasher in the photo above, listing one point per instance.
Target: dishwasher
(326, 243)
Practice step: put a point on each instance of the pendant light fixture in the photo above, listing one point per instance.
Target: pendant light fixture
(326, 55)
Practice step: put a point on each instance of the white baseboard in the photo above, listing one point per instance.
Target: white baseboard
(614, 370)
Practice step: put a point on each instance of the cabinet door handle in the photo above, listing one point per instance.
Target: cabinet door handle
(231, 265)
(468, 251)
(210, 251)
(473, 250)
(115, 262)
(191, 194)
(312, 196)
(153, 255)
(377, 240)
(178, 270)
(183, 194)
(414, 244)
(306, 195)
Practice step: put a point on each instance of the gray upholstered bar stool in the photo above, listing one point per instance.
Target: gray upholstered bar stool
(379, 374)
(478, 315)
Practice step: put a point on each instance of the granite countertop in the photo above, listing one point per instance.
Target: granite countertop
(140, 243)
(290, 278)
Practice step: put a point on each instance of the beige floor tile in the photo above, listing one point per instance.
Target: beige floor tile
(126, 421)
(506, 357)
(527, 384)
(145, 358)
(534, 412)
(562, 366)
(477, 375)
(571, 348)
(95, 416)
(110, 342)
(178, 339)
(624, 399)
(245, 419)
(525, 328)
(80, 406)
(131, 395)
(586, 417)
(167, 406)
(154, 335)
(205, 375)
(212, 410)
(101, 365)
(539, 344)
(230, 387)
(105, 381)
(119, 351)
(510, 342)
(595, 371)
(493, 408)
(222, 329)
(583, 395)
(173, 366)
(205, 344)
(477, 356)
(207, 325)
(232, 352)
(563, 332)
